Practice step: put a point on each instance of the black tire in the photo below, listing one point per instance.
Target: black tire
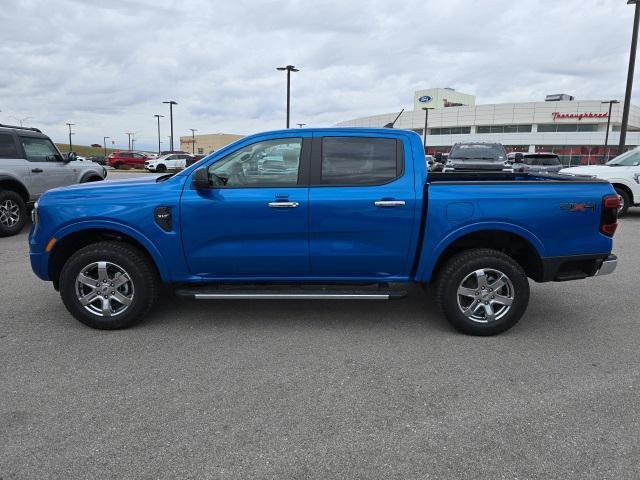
(161, 168)
(11, 204)
(625, 199)
(462, 266)
(117, 166)
(90, 178)
(133, 261)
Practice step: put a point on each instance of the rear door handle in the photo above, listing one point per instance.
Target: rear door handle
(283, 204)
(37, 170)
(389, 203)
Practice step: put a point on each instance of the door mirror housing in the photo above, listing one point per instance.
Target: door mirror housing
(201, 179)
(70, 157)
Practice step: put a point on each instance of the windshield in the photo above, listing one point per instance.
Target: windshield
(477, 152)
(545, 160)
(628, 159)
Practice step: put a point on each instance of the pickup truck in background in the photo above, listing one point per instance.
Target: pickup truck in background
(623, 172)
(322, 214)
(474, 156)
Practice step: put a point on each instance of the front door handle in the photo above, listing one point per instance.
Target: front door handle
(283, 204)
(37, 170)
(389, 203)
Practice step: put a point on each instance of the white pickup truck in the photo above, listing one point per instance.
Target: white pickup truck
(623, 172)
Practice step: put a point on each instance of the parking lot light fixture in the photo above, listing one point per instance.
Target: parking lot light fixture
(288, 69)
(300, 125)
(632, 63)
(158, 117)
(104, 144)
(193, 140)
(171, 103)
(606, 137)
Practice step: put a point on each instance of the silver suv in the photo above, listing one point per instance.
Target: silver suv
(30, 164)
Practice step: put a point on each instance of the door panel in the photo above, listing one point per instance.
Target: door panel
(361, 230)
(254, 220)
(45, 166)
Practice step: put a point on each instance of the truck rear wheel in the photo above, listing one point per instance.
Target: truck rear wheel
(482, 292)
(13, 213)
(109, 285)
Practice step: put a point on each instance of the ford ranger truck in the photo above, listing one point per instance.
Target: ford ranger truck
(346, 214)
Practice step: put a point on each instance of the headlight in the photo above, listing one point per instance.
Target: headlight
(636, 177)
(34, 214)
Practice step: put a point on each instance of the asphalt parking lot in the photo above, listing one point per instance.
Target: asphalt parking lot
(322, 390)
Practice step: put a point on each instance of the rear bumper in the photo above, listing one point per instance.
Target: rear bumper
(576, 267)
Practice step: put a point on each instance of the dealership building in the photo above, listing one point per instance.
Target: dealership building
(574, 129)
(207, 143)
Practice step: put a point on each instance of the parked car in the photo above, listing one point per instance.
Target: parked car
(352, 207)
(542, 162)
(30, 164)
(477, 156)
(172, 161)
(623, 172)
(99, 159)
(167, 152)
(126, 159)
(193, 159)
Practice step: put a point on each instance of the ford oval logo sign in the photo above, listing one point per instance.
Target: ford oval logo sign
(424, 99)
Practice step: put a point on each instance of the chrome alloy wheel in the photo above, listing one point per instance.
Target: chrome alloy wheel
(104, 289)
(9, 213)
(485, 295)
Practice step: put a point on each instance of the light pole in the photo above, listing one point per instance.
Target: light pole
(128, 134)
(104, 144)
(606, 137)
(300, 125)
(21, 120)
(632, 63)
(70, 143)
(193, 140)
(289, 69)
(171, 104)
(424, 133)
(158, 117)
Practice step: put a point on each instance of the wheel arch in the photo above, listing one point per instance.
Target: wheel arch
(13, 184)
(625, 187)
(75, 237)
(519, 244)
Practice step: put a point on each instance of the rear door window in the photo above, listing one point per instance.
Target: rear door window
(8, 147)
(360, 161)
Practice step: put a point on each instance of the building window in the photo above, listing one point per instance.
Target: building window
(450, 131)
(567, 127)
(574, 155)
(503, 128)
(200, 151)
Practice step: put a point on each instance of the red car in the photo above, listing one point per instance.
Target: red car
(130, 159)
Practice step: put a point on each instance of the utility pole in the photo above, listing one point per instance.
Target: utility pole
(606, 137)
(632, 63)
(288, 69)
(171, 104)
(158, 117)
(70, 142)
(193, 140)
(300, 125)
(104, 144)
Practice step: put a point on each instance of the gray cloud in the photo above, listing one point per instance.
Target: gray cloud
(107, 66)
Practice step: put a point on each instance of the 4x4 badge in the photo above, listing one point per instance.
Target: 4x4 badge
(578, 207)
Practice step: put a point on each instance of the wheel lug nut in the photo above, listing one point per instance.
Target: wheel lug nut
(113, 293)
(486, 303)
(493, 296)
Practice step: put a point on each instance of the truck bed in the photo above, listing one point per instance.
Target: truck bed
(491, 177)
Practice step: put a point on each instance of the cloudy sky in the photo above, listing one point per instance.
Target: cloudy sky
(106, 65)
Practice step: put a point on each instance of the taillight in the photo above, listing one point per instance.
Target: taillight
(609, 215)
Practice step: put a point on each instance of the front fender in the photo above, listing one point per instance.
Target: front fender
(428, 259)
(125, 230)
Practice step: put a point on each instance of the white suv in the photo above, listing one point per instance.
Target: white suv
(623, 172)
(171, 161)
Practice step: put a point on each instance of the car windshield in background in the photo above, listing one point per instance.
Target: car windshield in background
(628, 159)
(544, 160)
(477, 152)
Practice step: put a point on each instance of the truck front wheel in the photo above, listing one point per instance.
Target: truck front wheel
(108, 285)
(482, 291)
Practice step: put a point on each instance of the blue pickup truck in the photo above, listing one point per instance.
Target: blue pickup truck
(322, 214)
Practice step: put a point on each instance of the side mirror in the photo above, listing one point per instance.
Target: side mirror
(71, 157)
(439, 158)
(518, 158)
(201, 179)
